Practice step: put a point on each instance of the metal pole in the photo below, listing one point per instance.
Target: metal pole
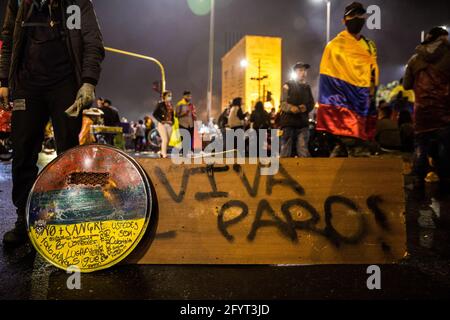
(328, 21)
(211, 64)
(140, 56)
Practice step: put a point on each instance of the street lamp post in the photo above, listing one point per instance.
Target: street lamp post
(211, 63)
(328, 2)
(140, 56)
(328, 20)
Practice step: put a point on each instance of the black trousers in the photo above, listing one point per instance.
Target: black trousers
(191, 132)
(434, 144)
(32, 110)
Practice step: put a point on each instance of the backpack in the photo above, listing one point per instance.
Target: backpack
(233, 119)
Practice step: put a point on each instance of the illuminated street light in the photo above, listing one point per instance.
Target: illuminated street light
(211, 62)
(244, 63)
(293, 75)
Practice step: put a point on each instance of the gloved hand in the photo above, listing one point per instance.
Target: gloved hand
(4, 98)
(85, 97)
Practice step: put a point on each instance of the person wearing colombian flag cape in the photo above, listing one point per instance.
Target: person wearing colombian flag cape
(349, 77)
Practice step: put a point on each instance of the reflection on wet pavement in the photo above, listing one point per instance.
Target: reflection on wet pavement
(425, 273)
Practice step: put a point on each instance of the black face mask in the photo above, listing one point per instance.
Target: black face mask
(355, 25)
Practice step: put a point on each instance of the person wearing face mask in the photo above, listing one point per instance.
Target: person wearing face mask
(428, 74)
(187, 115)
(51, 72)
(164, 114)
(349, 77)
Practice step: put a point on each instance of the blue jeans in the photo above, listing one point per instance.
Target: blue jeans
(434, 144)
(299, 138)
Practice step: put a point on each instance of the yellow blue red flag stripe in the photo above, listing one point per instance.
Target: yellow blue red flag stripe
(347, 71)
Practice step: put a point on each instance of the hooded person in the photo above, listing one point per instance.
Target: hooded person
(428, 74)
(347, 90)
(50, 68)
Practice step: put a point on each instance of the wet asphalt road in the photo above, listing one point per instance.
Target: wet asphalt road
(424, 274)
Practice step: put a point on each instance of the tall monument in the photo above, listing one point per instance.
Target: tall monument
(252, 70)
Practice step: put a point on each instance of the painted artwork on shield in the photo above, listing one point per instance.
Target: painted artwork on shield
(89, 208)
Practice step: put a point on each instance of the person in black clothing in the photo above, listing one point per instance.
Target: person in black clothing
(111, 116)
(164, 114)
(388, 133)
(260, 120)
(406, 126)
(236, 122)
(51, 72)
(298, 102)
(222, 122)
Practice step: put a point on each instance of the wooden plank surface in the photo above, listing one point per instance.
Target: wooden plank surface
(314, 211)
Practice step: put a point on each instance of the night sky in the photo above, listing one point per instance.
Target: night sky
(170, 31)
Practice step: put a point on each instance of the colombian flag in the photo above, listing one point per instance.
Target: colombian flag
(347, 71)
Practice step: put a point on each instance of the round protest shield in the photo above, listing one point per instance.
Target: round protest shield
(89, 208)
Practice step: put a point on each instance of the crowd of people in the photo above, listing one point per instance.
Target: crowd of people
(348, 121)
(52, 80)
(139, 133)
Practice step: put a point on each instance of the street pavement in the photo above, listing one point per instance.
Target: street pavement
(425, 273)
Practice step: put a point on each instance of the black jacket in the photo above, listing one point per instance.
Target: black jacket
(163, 112)
(85, 46)
(428, 73)
(260, 119)
(296, 94)
(111, 117)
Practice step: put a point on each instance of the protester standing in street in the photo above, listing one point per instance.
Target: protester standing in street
(347, 90)
(187, 115)
(388, 133)
(51, 73)
(111, 117)
(260, 118)
(236, 116)
(164, 114)
(140, 136)
(260, 121)
(297, 103)
(428, 74)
